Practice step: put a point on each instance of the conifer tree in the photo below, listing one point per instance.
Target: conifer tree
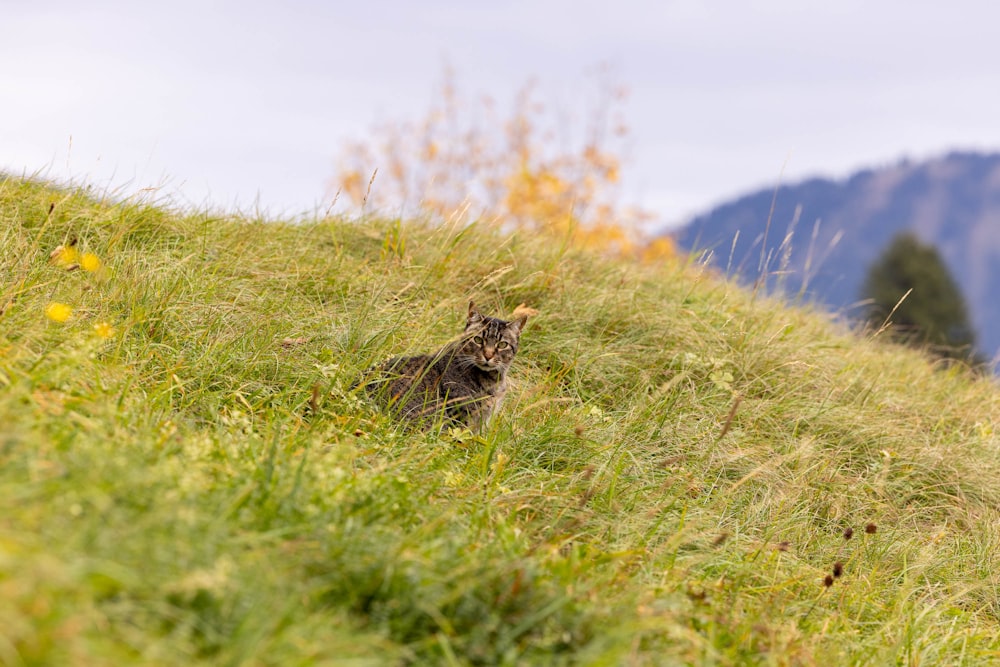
(934, 313)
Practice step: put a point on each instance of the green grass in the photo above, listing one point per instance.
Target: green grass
(669, 481)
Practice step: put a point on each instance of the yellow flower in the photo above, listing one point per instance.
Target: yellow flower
(63, 255)
(58, 312)
(104, 330)
(90, 262)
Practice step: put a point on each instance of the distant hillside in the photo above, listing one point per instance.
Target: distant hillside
(840, 227)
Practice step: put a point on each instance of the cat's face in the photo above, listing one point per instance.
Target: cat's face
(491, 343)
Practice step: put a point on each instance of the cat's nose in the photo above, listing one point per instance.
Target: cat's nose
(488, 353)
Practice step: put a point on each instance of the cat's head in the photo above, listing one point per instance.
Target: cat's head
(489, 342)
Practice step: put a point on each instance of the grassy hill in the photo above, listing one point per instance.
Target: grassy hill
(186, 477)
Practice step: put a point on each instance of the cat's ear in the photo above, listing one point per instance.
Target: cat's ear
(475, 317)
(518, 324)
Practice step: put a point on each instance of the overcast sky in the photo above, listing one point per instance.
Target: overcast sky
(231, 103)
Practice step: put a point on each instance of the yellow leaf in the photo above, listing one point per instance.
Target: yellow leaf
(523, 310)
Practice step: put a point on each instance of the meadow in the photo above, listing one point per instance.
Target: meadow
(685, 472)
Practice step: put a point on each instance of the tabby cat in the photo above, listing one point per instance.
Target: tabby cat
(464, 382)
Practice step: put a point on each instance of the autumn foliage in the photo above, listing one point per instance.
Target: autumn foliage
(529, 168)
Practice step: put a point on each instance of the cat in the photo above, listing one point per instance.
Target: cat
(463, 383)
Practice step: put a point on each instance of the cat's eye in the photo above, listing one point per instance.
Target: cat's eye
(478, 340)
(503, 345)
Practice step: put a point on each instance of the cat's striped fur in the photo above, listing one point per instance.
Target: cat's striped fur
(464, 382)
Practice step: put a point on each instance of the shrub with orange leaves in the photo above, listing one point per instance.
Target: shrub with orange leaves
(524, 171)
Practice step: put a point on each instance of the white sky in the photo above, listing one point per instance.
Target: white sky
(242, 103)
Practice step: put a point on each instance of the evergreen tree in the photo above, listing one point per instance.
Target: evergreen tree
(934, 313)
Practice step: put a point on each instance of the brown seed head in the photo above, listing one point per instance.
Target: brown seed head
(838, 569)
(828, 581)
(871, 529)
(849, 533)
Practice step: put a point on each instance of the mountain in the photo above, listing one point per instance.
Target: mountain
(824, 233)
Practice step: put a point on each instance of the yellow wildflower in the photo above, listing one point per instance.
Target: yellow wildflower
(90, 262)
(58, 312)
(104, 330)
(63, 255)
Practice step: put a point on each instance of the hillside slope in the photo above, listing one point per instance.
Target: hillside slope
(186, 477)
(824, 234)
